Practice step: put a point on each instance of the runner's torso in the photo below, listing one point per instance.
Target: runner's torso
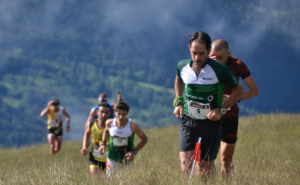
(121, 140)
(97, 134)
(239, 69)
(111, 111)
(55, 118)
(205, 91)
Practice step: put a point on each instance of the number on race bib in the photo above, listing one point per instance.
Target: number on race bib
(120, 141)
(198, 110)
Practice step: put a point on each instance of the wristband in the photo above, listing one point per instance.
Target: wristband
(178, 101)
(103, 143)
(68, 126)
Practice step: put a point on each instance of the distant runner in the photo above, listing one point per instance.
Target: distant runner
(55, 122)
(203, 80)
(220, 52)
(96, 129)
(103, 98)
(121, 129)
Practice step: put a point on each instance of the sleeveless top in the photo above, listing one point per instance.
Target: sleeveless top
(55, 118)
(96, 134)
(121, 141)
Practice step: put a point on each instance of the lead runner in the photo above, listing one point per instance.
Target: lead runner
(203, 80)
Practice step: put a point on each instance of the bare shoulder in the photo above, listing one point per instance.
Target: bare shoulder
(108, 122)
(134, 126)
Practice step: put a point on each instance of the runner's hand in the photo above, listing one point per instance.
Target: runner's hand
(130, 155)
(50, 103)
(102, 149)
(225, 98)
(212, 57)
(68, 129)
(178, 112)
(83, 151)
(214, 115)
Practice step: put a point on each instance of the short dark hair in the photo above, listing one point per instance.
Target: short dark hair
(122, 106)
(201, 37)
(55, 102)
(103, 104)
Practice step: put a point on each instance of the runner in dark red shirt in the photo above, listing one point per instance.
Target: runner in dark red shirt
(220, 52)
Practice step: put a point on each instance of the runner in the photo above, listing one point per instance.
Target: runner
(121, 129)
(202, 79)
(220, 52)
(96, 129)
(102, 98)
(55, 130)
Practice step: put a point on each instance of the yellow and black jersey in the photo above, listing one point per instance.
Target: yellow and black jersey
(97, 134)
(55, 118)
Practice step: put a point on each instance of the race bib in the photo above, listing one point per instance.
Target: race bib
(98, 155)
(120, 141)
(198, 110)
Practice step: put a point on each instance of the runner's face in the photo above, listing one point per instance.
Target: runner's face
(221, 56)
(103, 113)
(121, 115)
(55, 108)
(198, 53)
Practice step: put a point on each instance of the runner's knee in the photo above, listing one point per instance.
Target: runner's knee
(226, 162)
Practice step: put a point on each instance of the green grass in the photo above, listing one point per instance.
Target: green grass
(267, 152)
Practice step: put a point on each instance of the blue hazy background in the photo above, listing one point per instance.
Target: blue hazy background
(73, 50)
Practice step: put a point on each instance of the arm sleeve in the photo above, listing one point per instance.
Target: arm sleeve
(242, 69)
(229, 78)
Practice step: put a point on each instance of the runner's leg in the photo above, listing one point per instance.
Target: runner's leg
(51, 139)
(94, 170)
(58, 142)
(206, 168)
(110, 166)
(227, 151)
(186, 160)
(229, 138)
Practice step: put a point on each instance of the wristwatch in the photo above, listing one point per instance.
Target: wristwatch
(223, 110)
(135, 151)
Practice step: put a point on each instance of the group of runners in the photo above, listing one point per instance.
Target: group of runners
(207, 90)
(210, 80)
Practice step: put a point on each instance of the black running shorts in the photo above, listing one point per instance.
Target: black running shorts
(57, 132)
(229, 130)
(209, 131)
(93, 162)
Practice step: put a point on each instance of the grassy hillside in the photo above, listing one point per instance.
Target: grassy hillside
(267, 153)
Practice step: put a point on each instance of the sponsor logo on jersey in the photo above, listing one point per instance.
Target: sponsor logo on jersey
(194, 97)
(119, 132)
(210, 98)
(207, 78)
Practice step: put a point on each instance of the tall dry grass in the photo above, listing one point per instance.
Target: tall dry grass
(267, 152)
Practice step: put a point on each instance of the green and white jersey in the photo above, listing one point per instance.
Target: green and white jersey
(204, 92)
(121, 141)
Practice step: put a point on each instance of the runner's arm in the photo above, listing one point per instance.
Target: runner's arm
(67, 118)
(86, 138)
(179, 86)
(91, 116)
(45, 111)
(235, 96)
(137, 130)
(105, 134)
(253, 89)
